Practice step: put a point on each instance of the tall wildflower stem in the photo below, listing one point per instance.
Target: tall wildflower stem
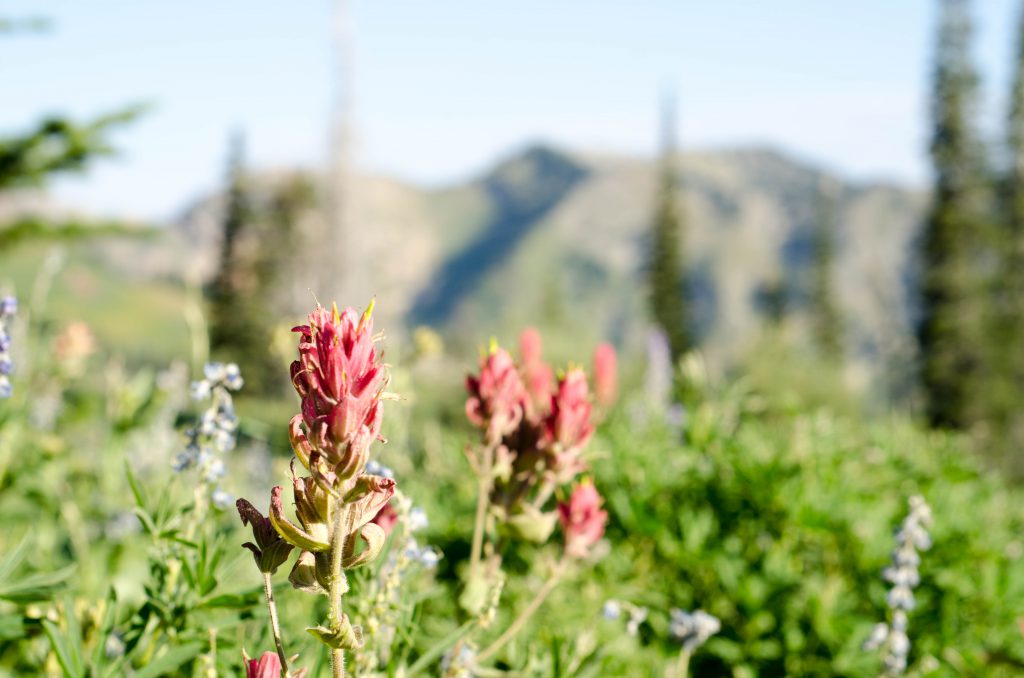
(275, 625)
(516, 626)
(339, 586)
(483, 499)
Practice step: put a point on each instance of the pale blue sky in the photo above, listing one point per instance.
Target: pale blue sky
(443, 87)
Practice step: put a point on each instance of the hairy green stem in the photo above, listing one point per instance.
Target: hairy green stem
(339, 586)
(275, 625)
(524, 616)
(482, 500)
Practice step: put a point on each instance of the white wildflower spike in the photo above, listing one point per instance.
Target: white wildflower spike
(911, 537)
(692, 629)
(215, 432)
(8, 308)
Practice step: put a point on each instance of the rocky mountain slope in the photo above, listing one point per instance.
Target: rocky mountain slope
(558, 239)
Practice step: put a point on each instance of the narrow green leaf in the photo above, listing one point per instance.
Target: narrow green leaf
(13, 559)
(434, 653)
(167, 663)
(99, 653)
(147, 521)
(36, 587)
(69, 663)
(234, 601)
(133, 482)
(74, 634)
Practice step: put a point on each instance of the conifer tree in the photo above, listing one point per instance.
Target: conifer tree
(1008, 386)
(952, 290)
(665, 260)
(826, 322)
(238, 329)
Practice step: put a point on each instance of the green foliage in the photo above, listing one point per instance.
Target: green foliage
(54, 146)
(776, 519)
(31, 229)
(780, 522)
(57, 145)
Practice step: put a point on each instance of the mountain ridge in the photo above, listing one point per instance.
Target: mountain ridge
(558, 239)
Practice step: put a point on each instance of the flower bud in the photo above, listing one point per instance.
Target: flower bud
(582, 520)
(538, 376)
(497, 396)
(568, 427)
(304, 575)
(532, 524)
(270, 550)
(605, 375)
(267, 666)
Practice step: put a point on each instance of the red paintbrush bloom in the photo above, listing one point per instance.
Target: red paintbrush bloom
(568, 426)
(606, 376)
(340, 379)
(582, 520)
(538, 376)
(267, 666)
(497, 397)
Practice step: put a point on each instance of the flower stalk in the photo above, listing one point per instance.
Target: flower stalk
(275, 624)
(517, 625)
(484, 488)
(340, 380)
(338, 589)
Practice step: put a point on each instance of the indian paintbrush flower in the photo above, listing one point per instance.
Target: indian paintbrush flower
(568, 426)
(340, 380)
(582, 520)
(497, 397)
(267, 666)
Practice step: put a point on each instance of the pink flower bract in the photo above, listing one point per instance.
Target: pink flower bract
(267, 666)
(340, 379)
(582, 520)
(497, 396)
(568, 426)
(538, 376)
(606, 376)
(386, 518)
